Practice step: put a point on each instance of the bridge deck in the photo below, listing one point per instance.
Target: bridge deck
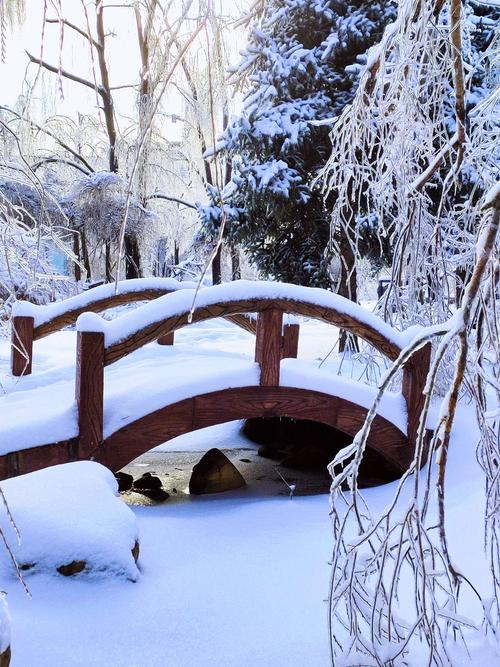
(40, 409)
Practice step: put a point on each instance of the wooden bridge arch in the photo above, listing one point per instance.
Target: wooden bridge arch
(101, 343)
(97, 349)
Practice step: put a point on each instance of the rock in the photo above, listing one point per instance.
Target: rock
(135, 551)
(147, 482)
(159, 495)
(124, 480)
(5, 657)
(72, 568)
(215, 473)
(24, 567)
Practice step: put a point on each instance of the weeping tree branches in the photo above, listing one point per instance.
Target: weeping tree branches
(381, 560)
(417, 146)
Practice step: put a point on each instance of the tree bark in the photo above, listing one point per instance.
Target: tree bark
(132, 257)
(216, 267)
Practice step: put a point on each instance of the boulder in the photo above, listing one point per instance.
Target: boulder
(72, 568)
(124, 480)
(215, 473)
(158, 495)
(147, 482)
(135, 551)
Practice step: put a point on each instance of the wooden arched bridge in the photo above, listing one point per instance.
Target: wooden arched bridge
(275, 385)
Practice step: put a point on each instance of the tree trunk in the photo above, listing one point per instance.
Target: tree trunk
(132, 257)
(216, 267)
(76, 252)
(85, 254)
(107, 246)
(235, 263)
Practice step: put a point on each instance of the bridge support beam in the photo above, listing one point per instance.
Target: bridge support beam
(89, 389)
(167, 339)
(290, 342)
(414, 378)
(21, 349)
(268, 346)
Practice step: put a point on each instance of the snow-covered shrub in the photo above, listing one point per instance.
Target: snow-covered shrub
(66, 514)
(302, 65)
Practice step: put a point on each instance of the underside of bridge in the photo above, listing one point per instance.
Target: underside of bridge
(388, 457)
(389, 447)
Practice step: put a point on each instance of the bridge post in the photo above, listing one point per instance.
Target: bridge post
(89, 390)
(167, 339)
(290, 341)
(414, 378)
(21, 347)
(268, 346)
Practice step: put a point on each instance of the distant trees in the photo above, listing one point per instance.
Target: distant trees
(301, 66)
(121, 159)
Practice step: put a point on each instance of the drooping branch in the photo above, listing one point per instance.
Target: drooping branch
(62, 72)
(59, 160)
(177, 200)
(50, 134)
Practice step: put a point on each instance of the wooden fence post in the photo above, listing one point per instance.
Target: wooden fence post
(414, 378)
(89, 389)
(268, 346)
(167, 339)
(21, 348)
(290, 341)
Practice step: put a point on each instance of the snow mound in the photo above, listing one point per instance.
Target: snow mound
(69, 513)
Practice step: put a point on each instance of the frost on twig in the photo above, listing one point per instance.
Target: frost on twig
(417, 148)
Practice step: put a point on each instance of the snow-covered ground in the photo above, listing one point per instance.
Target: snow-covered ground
(231, 580)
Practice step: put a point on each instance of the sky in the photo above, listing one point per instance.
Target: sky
(74, 98)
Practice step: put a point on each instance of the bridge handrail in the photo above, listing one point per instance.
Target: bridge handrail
(31, 322)
(51, 317)
(173, 311)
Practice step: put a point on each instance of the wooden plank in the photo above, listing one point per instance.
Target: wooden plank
(21, 349)
(290, 341)
(246, 402)
(89, 390)
(414, 379)
(268, 346)
(167, 339)
(213, 408)
(70, 316)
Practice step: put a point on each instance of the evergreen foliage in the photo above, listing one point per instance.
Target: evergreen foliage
(302, 64)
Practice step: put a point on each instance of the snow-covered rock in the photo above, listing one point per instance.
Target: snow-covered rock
(69, 514)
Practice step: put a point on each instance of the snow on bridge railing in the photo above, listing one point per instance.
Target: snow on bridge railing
(101, 342)
(31, 322)
(173, 311)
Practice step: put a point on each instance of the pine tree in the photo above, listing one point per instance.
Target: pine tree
(302, 64)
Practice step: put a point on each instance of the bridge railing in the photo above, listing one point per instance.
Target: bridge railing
(31, 322)
(101, 343)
